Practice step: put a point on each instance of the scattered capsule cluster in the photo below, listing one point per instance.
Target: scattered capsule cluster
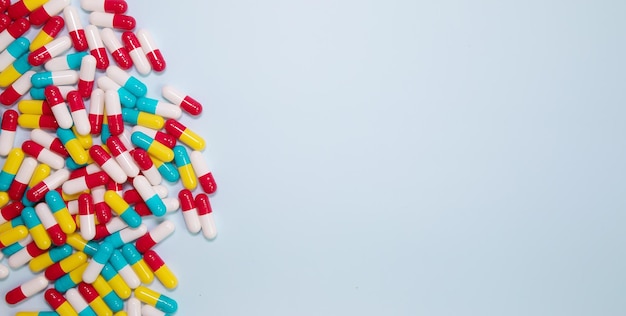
(73, 197)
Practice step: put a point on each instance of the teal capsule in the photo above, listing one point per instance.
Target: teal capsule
(87, 311)
(104, 253)
(127, 99)
(118, 261)
(167, 170)
(37, 93)
(59, 253)
(30, 218)
(156, 205)
(73, 60)
(131, 254)
(132, 84)
(17, 48)
(55, 201)
(13, 248)
(147, 105)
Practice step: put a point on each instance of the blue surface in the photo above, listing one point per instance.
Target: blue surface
(401, 157)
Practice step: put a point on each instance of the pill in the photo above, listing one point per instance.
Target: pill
(79, 303)
(115, 281)
(116, 49)
(147, 166)
(66, 62)
(155, 236)
(96, 47)
(25, 255)
(163, 138)
(47, 10)
(149, 196)
(23, 175)
(50, 50)
(97, 262)
(112, 20)
(13, 52)
(32, 121)
(133, 306)
(102, 210)
(7, 136)
(190, 213)
(91, 296)
(75, 28)
(122, 209)
(164, 109)
(58, 78)
(66, 265)
(96, 111)
(166, 169)
(136, 53)
(122, 267)
(47, 33)
(86, 216)
(13, 235)
(122, 156)
(60, 212)
(27, 289)
(113, 301)
(13, 72)
(153, 147)
(156, 299)
(11, 165)
(71, 279)
(16, 29)
(135, 259)
(108, 164)
(111, 227)
(57, 301)
(50, 223)
(183, 163)
(22, 8)
(48, 141)
(153, 53)
(36, 228)
(184, 134)
(140, 118)
(17, 89)
(126, 235)
(127, 99)
(51, 182)
(114, 112)
(59, 107)
(205, 213)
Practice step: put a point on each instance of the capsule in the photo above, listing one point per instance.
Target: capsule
(153, 53)
(5, 19)
(79, 303)
(149, 196)
(22, 8)
(17, 89)
(86, 216)
(73, 146)
(206, 217)
(50, 223)
(126, 235)
(4, 272)
(41, 172)
(183, 162)
(75, 28)
(86, 182)
(16, 29)
(127, 99)
(147, 167)
(133, 306)
(59, 78)
(153, 147)
(47, 33)
(122, 156)
(184, 134)
(11, 165)
(16, 247)
(25, 255)
(10, 212)
(190, 213)
(110, 6)
(114, 112)
(38, 107)
(65, 266)
(114, 46)
(116, 282)
(7, 136)
(26, 290)
(122, 209)
(96, 111)
(52, 182)
(108, 164)
(136, 53)
(56, 47)
(164, 109)
(49, 142)
(36, 228)
(57, 301)
(87, 75)
(124, 269)
(32, 121)
(155, 299)
(205, 176)
(79, 114)
(16, 49)
(96, 47)
(91, 296)
(113, 301)
(135, 259)
(43, 154)
(155, 236)
(20, 182)
(59, 107)
(80, 244)
(144, 119)
(60, 212)
(13, 235)
(102, 210)
(67, 62)
(112, 20)
(45, 12)
(18, 68)
(166, 169)
(105, 230)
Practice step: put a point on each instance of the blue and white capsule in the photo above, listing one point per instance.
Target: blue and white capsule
(99, 259)
(67, 62)
(13, 52)
(128, 82)
(149, 195)
(124, 269)
(57, 78)
(127, 99)
(161, 108)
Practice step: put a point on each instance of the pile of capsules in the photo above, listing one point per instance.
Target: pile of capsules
(74, 194)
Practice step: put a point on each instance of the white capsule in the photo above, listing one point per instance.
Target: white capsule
(94, 40)
(22, 257)
(171, 205)
(54, 7)
(56, 179)
(111, 20)
(87, 72)
(23, 83)
(153, 175)
(145, 39)
(59, 46)
(51, 159)
(164, 109)
(192, 221)
(198, 163)
(143, 187)
(127, 163)
(7, 139)
(62, 114)
(73, 186)
(105, 83)
(114, 170)
(34, 285)
(26, 170)
(42, 138)
(96, 104)
(81, 122)
(4, 271)
(140, 61)
(133, 306)
(148, 310)
(45, 215)
(208, 225)
(87, 224)
(76, 300)
(118, 75)
(96, 5)
(72, 20)
(162, 231)
(110, 40)
(64, 91)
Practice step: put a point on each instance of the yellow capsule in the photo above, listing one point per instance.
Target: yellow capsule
(40, 236)
(4, 199)
(31, 107)
(8, 76)
(150, 120)
(188, 177)
(85, 140)
(13, 235)
(76, 151)
(119, 286)
(41, 172)
(14, 161)
(166, 277)
(66, 309)
(100, 307)
(48, 258)
(191, 139)
(72, 262)
(30, 121)
(31, 5)
(102, 287)
(160, 151)
(156, 299)
(76, 241)
(143, 271)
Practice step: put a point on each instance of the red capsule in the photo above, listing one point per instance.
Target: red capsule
(9, 121)
(99, 155)
(132, 196)
(203, 205)
(18, 27)
(143, 159)
(54, 298)
(54, 26)
(5, 20)
(4, 5)
(19, 9)
(11, 211)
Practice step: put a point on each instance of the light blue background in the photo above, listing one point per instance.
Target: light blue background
(403, 157)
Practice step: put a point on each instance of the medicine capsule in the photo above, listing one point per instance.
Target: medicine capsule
(75, 28)
(60, 212)
(122, 209)
(73, 146)
(20, 182)
(10, 212)
(87, 221)
(43, 155)
(163, 138)
(126, 235)
(96, 111)
(80, 244)
(79, 113)
(86, 182)
(110, 6)
(95, 266)
(205, 176)
(13, 52)
(133, 307)
(122, 156)
(135, 259)
(36, 228)
(112, 20)
(114, 46)
(50, 223)
(65, 266)
(184, 134)
(41, 172)
(58, 78)
(71, 279)
(183, 162)
(166, 169)
(149, 196)
(153, 147)
(91, 296)
(7, 136)
(164, 109)
(123, 268)
(108, 164)
(17, 89)
(40, 93)
(5, 19)
(79, 303)
(147, 166)
(47, 10)
(136, 53)
(155, 236)
(47, 33)
(26, 290)
(128, 82)
(11, 165)
(160, 269)
(116, 282)
(49, 258)
(16, 29)
(13, 235)
(22, 8)
(57, 301)
(102, 210)
(56, 47)
(153, 53)
(206, 217)
(15, 71)
(49, 142)
(38, 107)
(25, 255)
(156, 299)
(115, 225)
(86, 76)
(47, 122)
(58, 106)
(145, 119)
(114, 112)
(190, 213)
(6, 226)
(52, 182)
(127, 99)
(113, 301)
(96, 47)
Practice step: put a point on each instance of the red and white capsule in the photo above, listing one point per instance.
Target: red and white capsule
(17, 89)
(190, 212)
(47, 10)
(112, 20)
(43, 154)
(50, 223)
(52, 182)
(205, 176)
(114, 46)
(108, 164)
(27, 289)
(96, 111)
(113, 109)
(9, 127)
(122, 156)
(22, 177)
(163, 138)
(85, 182)
(86, 216)
(86, 75)
(49, 142)
(79, 113)
(136, 53)
(55, 48)
(111, 6)
(205, 213)
(75, 28)
(58, 106)
(155, 236)
(142, 158)
(152, 51)
(26, 254)
(101, 209)
(13, 31)
(96, 47)
(114, 225)
(186, 103)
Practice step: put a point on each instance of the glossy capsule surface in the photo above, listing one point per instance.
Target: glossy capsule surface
(122, 209)
(26, 290)
(10, 168)
(91, 296)
(60, 212)
(48, 32)
(184, 134)
(183, 162)
(7, 135)
(75, 28)
(153, 147)
(135, 259)
(49, 258)
(57, 301)
(113, 301)
(156, 299)
(54, 48)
